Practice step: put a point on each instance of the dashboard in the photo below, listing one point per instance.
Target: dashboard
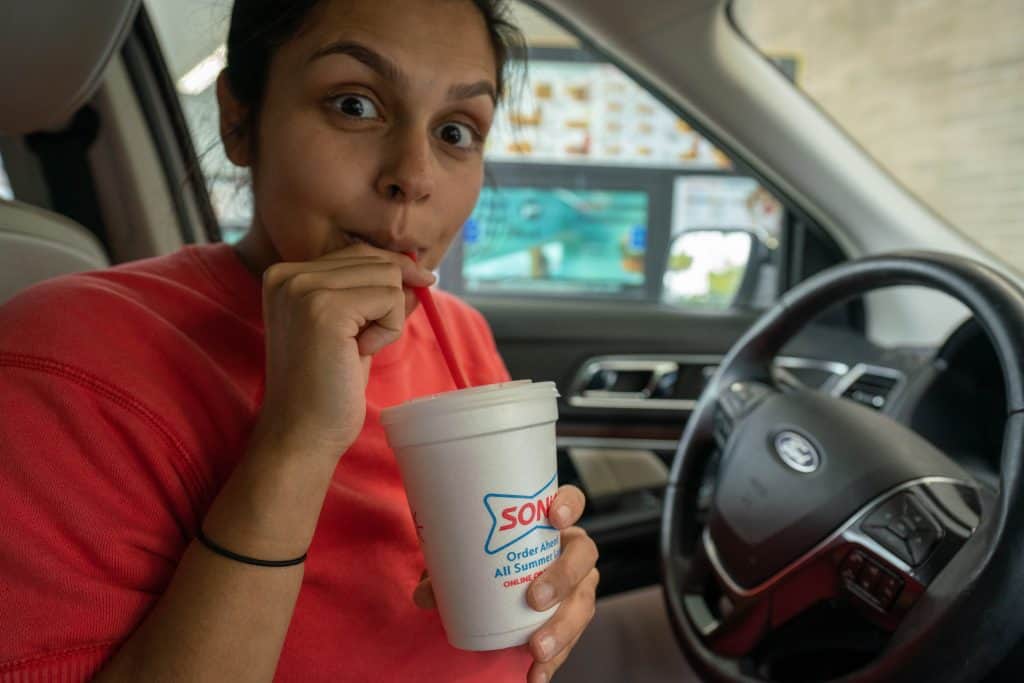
(958, 402)
(952, 396)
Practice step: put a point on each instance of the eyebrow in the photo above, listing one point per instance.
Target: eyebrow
(468, 91)
(389, 71)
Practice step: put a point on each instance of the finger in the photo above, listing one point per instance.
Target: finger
(568, 622)
(423, 595)
(578, 557)
(384, 329)
(354, 312)
(567, 507)
(377, 274)
(282, 270)
(413, 273)
(541, 672)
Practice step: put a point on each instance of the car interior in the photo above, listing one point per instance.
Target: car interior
(814, 444)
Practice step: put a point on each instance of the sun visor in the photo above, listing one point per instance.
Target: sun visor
(52, 57)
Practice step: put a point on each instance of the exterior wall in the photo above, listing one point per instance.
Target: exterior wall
(933, 89)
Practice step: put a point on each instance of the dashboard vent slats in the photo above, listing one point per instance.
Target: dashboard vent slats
(871, 390)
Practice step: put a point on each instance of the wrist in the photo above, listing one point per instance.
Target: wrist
(303, 443)
(270, 505)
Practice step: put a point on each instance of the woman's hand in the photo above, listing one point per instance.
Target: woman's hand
(571, 579)
(324, 321)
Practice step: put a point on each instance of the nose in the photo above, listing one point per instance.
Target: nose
(407, 171)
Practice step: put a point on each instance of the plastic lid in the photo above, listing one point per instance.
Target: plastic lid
(473, 398)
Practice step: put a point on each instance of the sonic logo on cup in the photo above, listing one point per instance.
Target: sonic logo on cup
(514, 517)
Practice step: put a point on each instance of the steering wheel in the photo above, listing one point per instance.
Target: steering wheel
(818, 500)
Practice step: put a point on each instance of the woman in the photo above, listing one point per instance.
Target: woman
(234, 394)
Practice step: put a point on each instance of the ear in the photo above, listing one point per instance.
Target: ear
(234, 134)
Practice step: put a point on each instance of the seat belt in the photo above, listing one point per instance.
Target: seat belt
(64, 157)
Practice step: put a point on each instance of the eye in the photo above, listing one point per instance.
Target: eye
(355, 106)
(458, 135)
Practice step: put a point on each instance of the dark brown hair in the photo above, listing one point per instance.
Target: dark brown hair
(259, 27)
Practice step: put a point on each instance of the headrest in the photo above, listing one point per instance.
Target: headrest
(36, 245)
(52, 57)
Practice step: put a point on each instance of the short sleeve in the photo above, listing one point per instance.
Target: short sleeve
(95, 516)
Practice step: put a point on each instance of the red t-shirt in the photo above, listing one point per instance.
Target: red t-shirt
(126, 398)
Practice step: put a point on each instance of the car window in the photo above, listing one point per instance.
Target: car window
(930, 89)
(5, 183)
(594, 188)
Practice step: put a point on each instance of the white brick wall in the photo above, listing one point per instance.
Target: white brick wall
(933, 89)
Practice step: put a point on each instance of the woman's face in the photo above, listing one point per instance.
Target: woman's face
(371, 128)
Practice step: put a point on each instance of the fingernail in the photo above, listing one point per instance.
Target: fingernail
(543, 593)
(562, 513)
(547, 647)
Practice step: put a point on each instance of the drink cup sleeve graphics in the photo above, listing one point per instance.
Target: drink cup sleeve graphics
(514, 517)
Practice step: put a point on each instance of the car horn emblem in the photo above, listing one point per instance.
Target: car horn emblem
(796, 452)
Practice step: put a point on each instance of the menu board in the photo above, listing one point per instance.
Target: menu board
(591, 113)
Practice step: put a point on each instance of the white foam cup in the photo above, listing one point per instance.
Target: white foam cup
(480, 471)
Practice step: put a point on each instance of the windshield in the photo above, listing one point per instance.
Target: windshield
(930, 88)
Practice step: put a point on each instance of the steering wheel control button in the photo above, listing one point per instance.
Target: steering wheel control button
(921, 545)
(797, 452)
(734, 403)
(900, 527)
(851, 566)
(891, 542)
(743, 396)
(883, 516)
(722, 426)
(870, 581)
(903, 528)
(887, 590)
(869, 576)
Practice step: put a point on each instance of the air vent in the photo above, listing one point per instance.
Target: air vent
(871, 389)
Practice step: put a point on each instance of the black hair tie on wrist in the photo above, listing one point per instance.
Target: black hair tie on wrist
(224, 552)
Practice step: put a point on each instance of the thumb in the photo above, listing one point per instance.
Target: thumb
(423, 594)
(367, 362)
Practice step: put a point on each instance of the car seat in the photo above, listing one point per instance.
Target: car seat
(53, 54)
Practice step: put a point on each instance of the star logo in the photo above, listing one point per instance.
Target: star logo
(513, 517)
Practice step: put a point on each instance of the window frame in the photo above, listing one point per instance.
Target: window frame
(147, 68)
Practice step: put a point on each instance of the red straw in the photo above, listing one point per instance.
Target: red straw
(440, 332)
